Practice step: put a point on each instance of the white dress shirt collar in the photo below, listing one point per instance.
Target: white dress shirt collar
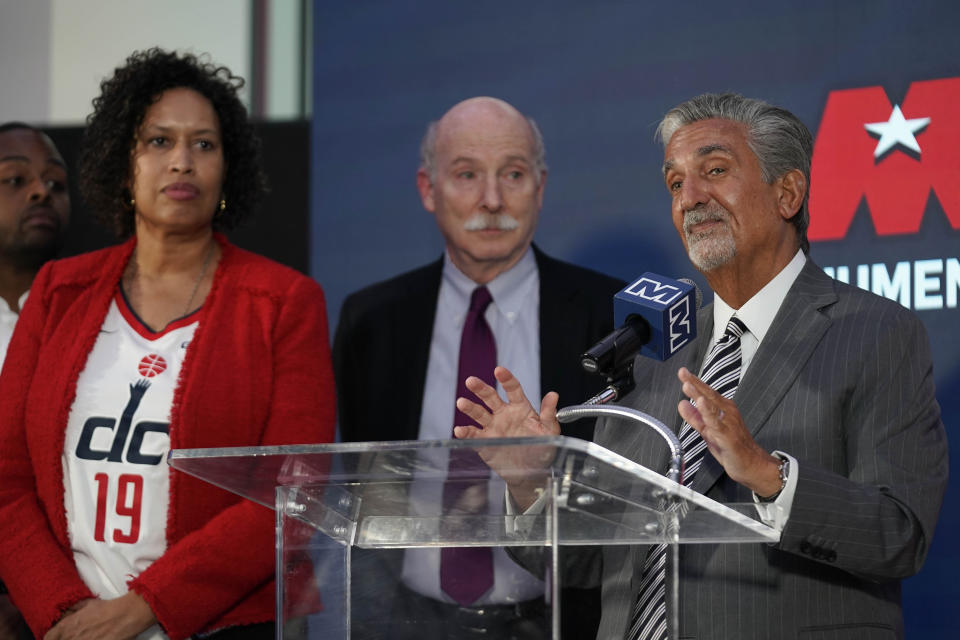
(758, 312)
(6, 311)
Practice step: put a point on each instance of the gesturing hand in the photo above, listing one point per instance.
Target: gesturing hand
(514, 418)
(521, 467)
(719, 423)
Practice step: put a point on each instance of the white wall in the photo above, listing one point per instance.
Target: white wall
(54, 53)
(90, 39)
(284, 65)
(24, 60)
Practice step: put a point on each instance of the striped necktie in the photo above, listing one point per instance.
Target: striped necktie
(721, 372)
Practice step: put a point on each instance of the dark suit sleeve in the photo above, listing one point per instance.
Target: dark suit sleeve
(877, 520)
(363, 357)
(384, 335)
(576, 311)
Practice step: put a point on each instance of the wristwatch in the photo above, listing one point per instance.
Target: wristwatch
(784, 470)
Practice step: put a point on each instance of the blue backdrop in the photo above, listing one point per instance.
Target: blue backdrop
(597, 77)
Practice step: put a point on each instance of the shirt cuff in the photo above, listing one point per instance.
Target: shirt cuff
(775, 514)
(514, 521)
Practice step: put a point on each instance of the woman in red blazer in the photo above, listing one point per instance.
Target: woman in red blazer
(172, 339)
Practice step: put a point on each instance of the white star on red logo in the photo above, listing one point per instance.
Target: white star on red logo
(897, 131)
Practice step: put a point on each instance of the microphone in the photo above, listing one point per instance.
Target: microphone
(655, 315)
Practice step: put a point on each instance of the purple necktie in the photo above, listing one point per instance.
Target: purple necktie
(466, 573)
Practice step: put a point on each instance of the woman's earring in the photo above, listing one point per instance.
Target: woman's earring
(223, 204)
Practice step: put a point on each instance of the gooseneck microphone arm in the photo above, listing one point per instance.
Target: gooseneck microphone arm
(619, 384)
(569, 414)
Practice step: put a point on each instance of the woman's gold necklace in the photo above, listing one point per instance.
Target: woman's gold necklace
(196, 285)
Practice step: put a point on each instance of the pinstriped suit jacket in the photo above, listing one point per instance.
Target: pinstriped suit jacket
(843, 382)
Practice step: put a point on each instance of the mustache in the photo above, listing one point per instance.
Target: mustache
(701, 214)
(484, 221)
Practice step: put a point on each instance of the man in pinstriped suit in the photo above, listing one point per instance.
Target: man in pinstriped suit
(834, 429)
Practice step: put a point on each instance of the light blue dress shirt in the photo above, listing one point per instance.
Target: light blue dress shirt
(514, 319)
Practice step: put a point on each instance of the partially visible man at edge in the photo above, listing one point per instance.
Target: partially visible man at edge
(34, 211)
(482, 175)
(834, 430)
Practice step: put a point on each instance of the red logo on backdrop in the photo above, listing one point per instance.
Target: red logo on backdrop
(151, 365)
(890, 154)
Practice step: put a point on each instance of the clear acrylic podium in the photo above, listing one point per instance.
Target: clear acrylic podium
(343, 511)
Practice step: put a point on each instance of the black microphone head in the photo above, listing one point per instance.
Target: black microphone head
(617, 348)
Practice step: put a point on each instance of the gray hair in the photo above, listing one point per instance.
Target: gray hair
(778, 138)
(428, 150)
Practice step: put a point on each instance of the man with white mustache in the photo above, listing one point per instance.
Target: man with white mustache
(482, 176)
(481, 221)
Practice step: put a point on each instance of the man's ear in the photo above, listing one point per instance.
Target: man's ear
(540, 187)
(793, 189)
(425, 187)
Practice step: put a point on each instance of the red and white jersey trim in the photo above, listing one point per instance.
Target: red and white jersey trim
(138, 325)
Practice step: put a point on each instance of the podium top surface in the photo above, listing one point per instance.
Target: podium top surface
(392, 493)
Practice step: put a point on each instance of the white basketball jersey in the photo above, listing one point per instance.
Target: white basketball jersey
(116, 477)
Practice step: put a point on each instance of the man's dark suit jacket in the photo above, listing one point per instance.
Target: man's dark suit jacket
(382, 346)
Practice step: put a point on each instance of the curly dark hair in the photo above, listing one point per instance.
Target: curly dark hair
(105, 163)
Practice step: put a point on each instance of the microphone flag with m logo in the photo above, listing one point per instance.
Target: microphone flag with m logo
(668, 306)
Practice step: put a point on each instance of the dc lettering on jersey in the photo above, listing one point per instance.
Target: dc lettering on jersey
(124, 441)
